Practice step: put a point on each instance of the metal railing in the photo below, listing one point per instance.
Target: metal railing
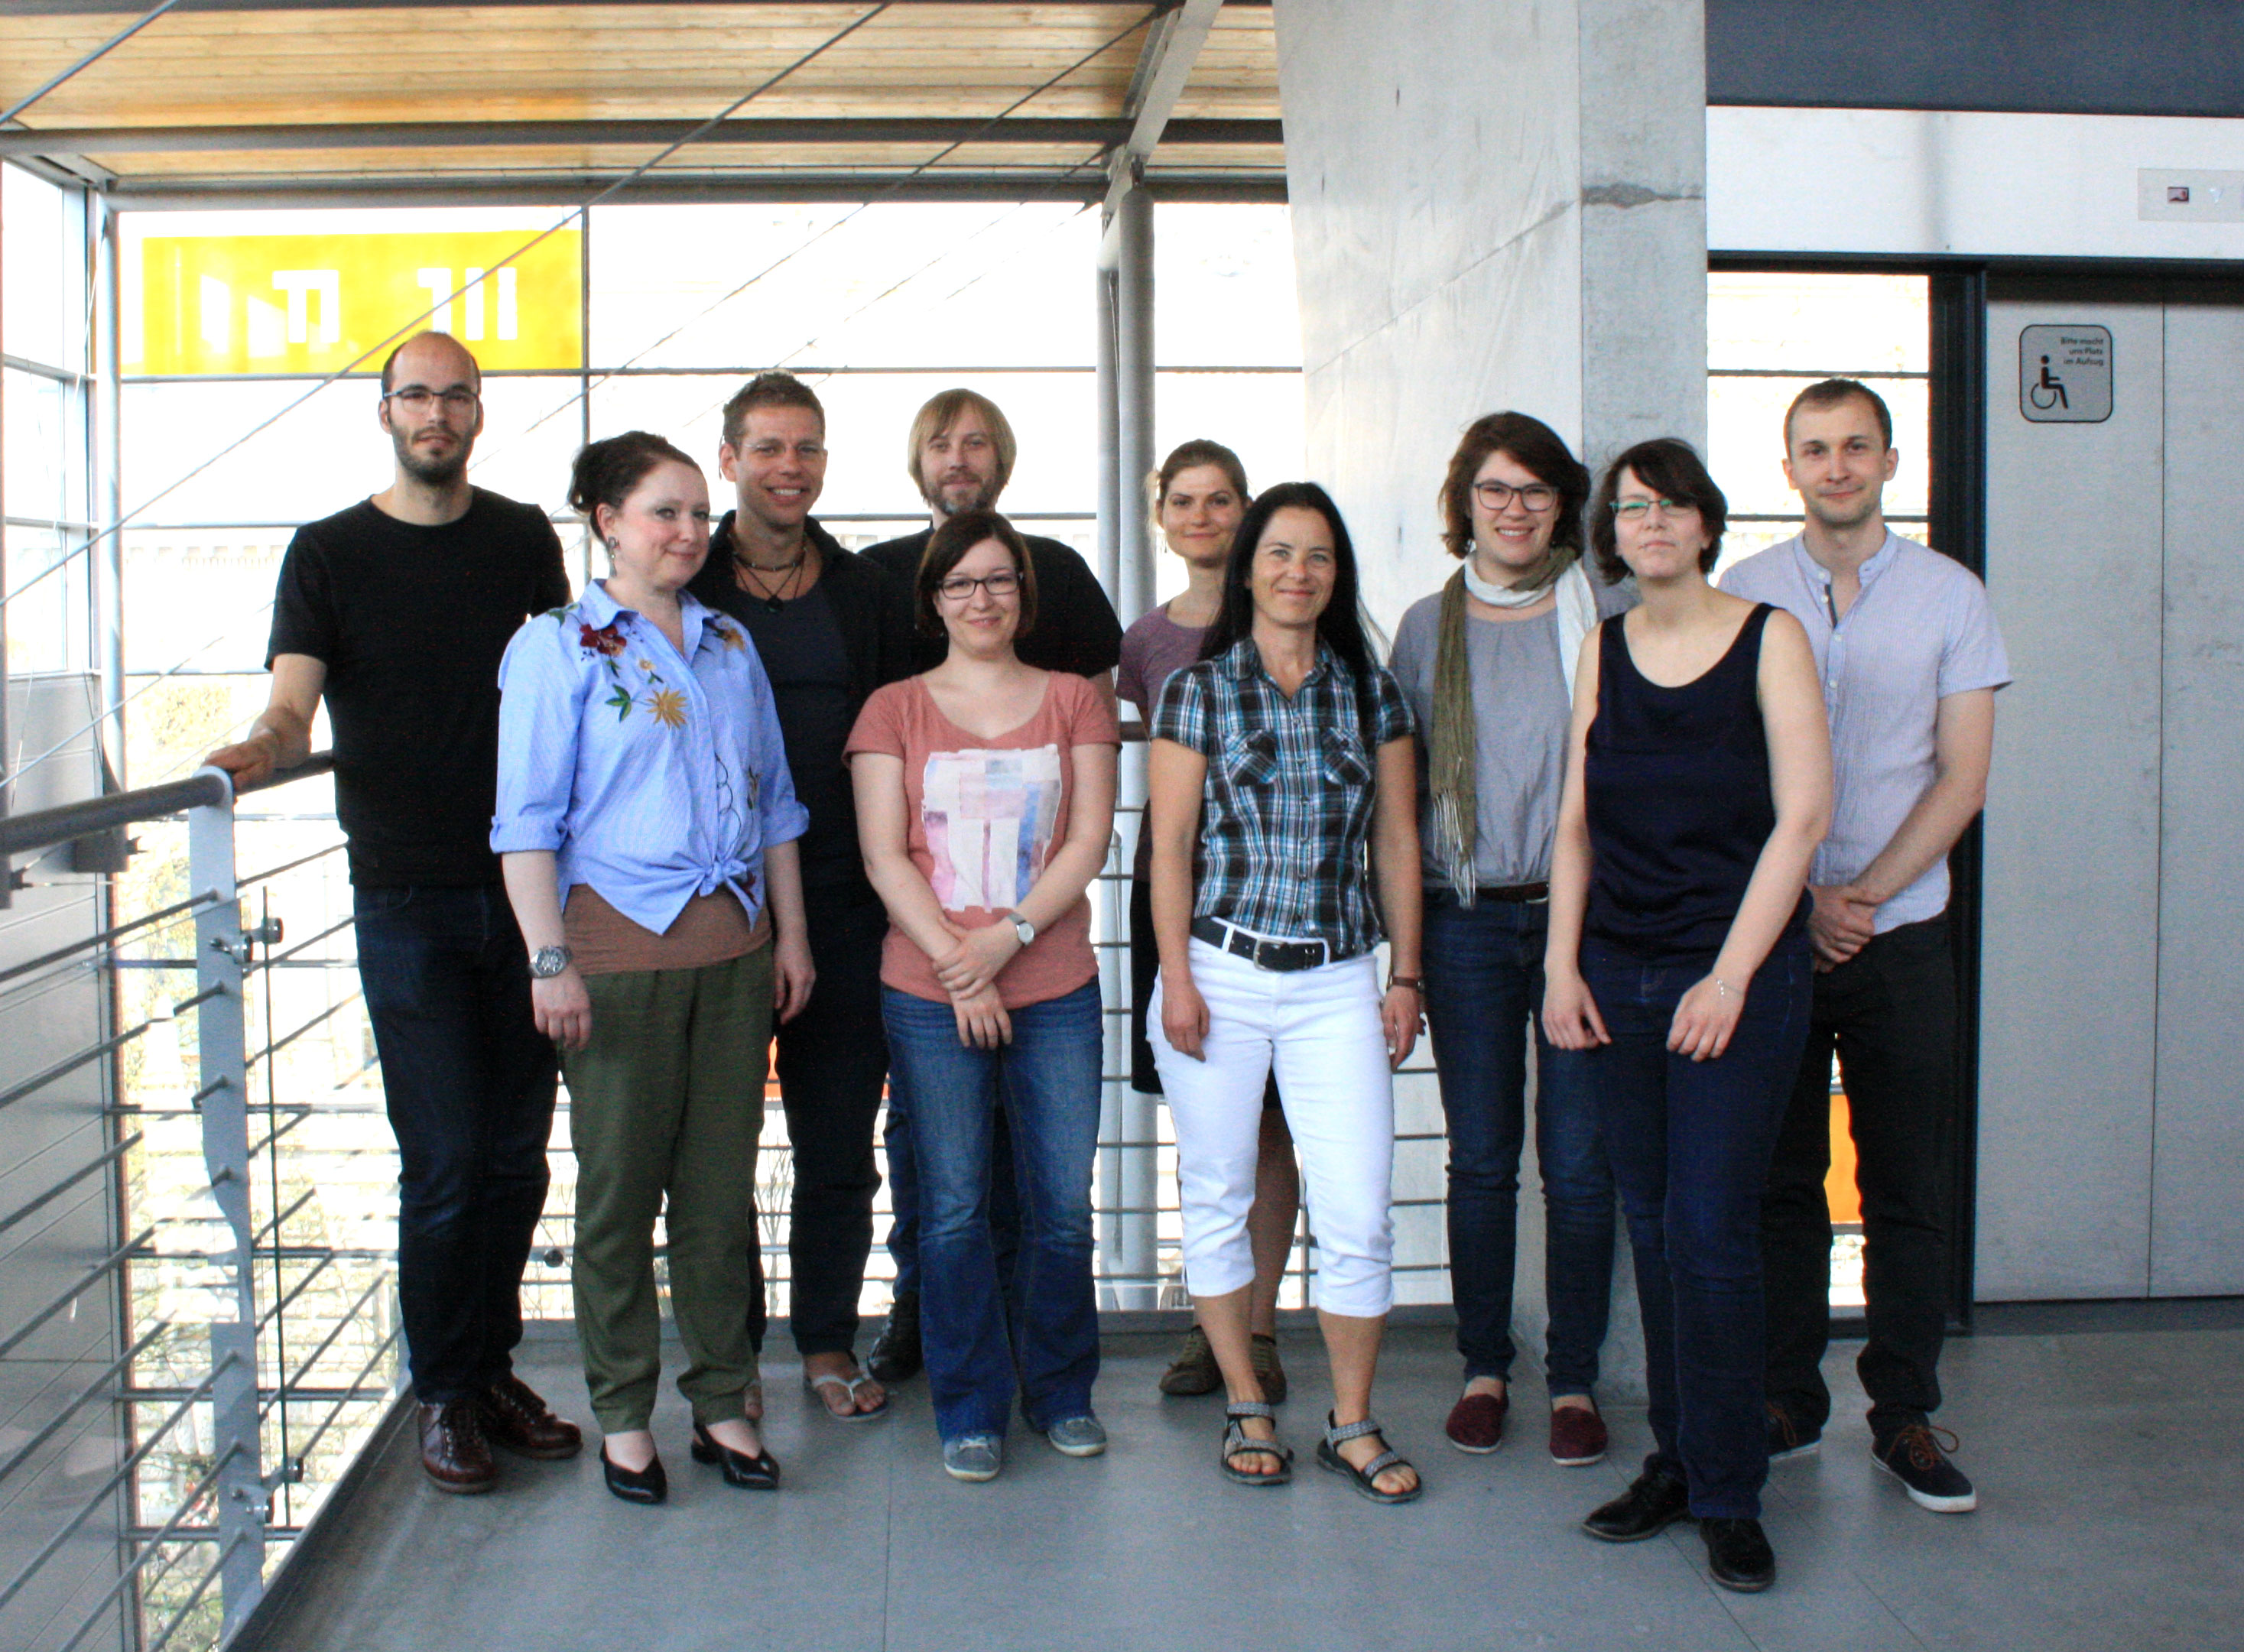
(202, 1401)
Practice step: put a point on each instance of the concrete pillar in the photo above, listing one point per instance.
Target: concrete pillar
(1496, 203)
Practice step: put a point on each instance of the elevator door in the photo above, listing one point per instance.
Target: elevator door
(2111, 1134)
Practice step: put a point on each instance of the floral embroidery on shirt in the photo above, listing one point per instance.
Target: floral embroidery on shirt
(606, 641)
(732, 638)
(668, 706)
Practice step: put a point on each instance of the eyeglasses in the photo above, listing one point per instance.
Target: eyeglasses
(416, 398)
(1537, 496)
(958, 587)
(1637, 509)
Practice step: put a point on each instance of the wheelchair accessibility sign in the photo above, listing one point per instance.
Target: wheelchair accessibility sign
(2064, 374)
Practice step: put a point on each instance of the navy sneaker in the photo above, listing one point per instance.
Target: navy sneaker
(1917, 1456)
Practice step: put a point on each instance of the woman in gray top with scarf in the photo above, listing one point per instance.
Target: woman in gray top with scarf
(1488, 664)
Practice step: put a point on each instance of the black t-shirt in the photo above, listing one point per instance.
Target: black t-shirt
(1076, 630)
(411, 623)
(800, 646)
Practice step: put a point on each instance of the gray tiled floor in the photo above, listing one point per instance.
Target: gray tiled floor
(2108, 1463)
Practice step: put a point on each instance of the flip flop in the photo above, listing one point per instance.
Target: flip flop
(848, 1386)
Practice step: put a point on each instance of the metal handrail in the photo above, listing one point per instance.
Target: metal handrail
(67, 822)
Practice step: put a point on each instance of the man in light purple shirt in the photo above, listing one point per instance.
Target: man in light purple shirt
(1910, 659)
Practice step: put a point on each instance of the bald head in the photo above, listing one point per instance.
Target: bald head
(432, 407)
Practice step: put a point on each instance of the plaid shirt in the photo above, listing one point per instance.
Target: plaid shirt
(1286, 808)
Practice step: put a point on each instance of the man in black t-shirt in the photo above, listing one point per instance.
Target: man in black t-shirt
(397, 611)
(959, 455)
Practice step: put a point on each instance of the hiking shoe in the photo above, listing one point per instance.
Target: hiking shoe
(1194, 1371)
(1267, 1371)
(1918, 1457)
(1788, 1436)
(895, 1356)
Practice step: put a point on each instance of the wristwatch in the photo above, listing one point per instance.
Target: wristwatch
(549, 962)
(1022, 928)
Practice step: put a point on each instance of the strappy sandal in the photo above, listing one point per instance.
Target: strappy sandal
(1366, 1479)
(1238, 1443)
(848, 1386)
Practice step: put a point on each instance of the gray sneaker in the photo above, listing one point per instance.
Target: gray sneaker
(974, 1457)
(1083, 1436)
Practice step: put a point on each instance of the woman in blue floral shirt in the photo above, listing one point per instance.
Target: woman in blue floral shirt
(646, 824)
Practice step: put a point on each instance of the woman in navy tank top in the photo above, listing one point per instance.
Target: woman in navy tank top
(1697, 788)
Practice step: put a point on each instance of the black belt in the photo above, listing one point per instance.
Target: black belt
(1519, 895)
(1281, 955)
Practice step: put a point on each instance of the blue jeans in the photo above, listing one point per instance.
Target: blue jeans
(1483, 969)
(469, 1082)
(1690, 1143)
(903, 1192)
(1048, 1343)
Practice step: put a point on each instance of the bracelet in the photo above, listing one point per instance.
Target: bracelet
(1416, 984)
(1723, 989)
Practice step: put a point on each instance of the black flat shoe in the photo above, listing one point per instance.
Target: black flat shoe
(648, 1485)
(757, 1473)
(1651, 1504)
(895, 1355)
(1737, 1555)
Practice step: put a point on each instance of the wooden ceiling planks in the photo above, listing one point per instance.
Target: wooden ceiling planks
(651, 61)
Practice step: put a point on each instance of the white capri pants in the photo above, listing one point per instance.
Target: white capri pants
(1320, 1030)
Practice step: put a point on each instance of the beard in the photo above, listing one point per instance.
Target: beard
(956, 498)
(433, 470)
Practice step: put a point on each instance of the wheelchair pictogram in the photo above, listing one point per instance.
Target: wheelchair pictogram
(2049, 391)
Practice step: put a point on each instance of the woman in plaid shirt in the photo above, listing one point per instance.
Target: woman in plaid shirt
(1277, 762)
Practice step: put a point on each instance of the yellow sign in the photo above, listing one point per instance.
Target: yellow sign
(220, 304)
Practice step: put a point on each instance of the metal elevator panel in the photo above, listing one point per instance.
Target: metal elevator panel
(2069, 976)
(2197, 1184)
(2112, 1143)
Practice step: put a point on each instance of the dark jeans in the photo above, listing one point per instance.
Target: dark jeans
(469, 1083)
(1483, 969)
(832, 1060)
(1890, 1011)
(1046, 1342)
(1690, 1143)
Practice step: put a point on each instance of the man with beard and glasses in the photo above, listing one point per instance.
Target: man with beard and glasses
(398, 610)
(1910, 658)
(959, 455)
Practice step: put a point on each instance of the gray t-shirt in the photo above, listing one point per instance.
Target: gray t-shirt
(1520, 713)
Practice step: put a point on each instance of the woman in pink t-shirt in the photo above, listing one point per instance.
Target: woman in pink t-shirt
(985, 801)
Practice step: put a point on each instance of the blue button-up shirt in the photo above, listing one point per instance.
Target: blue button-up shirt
(653, 776)
(1921, 631)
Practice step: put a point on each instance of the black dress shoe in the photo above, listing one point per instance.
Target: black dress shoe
(894, 1355)
(1737, 1555)
(757, 1473)
(648, 1485)
(1648, 1508)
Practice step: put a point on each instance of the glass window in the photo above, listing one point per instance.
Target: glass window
(42, 286)
(1769, 335)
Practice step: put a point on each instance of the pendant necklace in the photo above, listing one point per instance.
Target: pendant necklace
(774, 597)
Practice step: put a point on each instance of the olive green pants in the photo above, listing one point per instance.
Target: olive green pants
(668, 1099)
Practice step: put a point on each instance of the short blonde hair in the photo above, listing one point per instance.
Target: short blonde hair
(942, 412)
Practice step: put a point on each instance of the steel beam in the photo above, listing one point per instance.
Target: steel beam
(110, 8)
(1165, 64)
(672, 188)
(537, 134)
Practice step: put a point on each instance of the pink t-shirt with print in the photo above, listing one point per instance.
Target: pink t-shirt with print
(982, 820)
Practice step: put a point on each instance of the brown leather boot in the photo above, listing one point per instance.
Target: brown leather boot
(513, 1416)
(453, 1450)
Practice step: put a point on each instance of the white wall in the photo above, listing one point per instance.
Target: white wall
(1836, 181)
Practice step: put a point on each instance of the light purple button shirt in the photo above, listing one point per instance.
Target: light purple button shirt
(1921, 631)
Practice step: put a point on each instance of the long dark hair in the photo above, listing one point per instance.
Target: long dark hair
(1340, 625)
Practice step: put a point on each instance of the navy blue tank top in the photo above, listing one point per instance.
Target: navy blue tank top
(1676, 785)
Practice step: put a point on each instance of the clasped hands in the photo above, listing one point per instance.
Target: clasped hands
(969, 973)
